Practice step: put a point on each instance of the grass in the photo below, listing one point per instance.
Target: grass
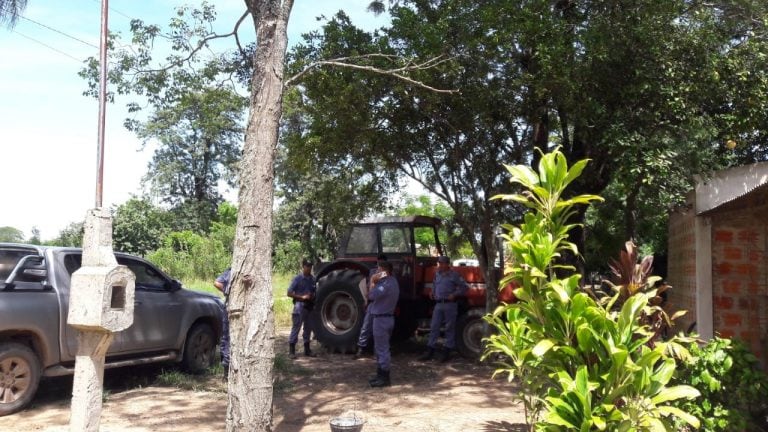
(282, 305)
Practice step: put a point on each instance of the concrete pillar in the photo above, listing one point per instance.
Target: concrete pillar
(87, 388)
(100, 304)
(704, 317)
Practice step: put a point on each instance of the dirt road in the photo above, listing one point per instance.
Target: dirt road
(458, 396)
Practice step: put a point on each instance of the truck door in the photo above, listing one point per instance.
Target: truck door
(157, 310)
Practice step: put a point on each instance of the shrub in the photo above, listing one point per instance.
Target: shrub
(733, 388)
(583, 365)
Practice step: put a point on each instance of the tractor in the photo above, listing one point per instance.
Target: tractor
(412, 244)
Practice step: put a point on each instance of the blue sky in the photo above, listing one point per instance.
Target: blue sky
(48, 130)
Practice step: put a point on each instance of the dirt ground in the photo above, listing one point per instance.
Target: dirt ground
(459, 396)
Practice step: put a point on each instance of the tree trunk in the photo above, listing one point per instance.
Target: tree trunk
(250, 302)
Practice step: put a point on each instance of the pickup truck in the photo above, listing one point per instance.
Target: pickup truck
(171, 324)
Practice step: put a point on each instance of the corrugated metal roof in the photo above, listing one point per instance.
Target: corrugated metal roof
(729, 185)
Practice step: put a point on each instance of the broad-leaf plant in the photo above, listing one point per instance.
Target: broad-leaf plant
(581, 364)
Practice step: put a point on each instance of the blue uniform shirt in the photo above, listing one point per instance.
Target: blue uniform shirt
(301, 285)
(447, 283)
(384, 296)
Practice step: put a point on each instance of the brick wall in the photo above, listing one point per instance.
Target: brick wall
(739, 277)
(681, 271)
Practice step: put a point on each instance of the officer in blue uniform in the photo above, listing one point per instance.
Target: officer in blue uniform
(366, 330)
(302, 291)
(448, 286)
(222, 284)
(384, 295)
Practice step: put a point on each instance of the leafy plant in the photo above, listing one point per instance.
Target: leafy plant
(631, 278)
(582, 364)
(733, 387)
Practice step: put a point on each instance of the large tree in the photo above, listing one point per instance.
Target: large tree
(650, 90)
(11, 234)
(194, 115)
(250, 301)
(139, 227)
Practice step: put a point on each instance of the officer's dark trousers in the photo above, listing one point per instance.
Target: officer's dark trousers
(382, 331)
(300, 316)
(224, 347)
(366, 331)
(443, 313)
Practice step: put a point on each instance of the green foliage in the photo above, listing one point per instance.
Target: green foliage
(72, 235)
(11, 235)
(319, 192)
(288, 255)
(196, 113)
(191, 256)
(138, 226)
(35, 238)
(283, 305)
(732, 385)
(582, 365)
(188, 255)
(450, 233)
(649, 92)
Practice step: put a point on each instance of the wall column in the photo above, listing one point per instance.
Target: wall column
(704, 317)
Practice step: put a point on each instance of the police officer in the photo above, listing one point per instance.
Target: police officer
(222, 284)
(384, 296)
(447, 287)
(366, 331)
(302, 291)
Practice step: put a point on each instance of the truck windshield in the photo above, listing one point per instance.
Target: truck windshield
(395, 239)
(362, 240)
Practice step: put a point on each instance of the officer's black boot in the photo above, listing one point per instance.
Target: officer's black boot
(375, 377)
(427, 355)
(382, 380)
(360, 353)
(292, 350)
(308, 352)
(445, 355)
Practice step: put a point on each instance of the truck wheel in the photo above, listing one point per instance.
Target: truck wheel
(469, 334)
(19, 377)
(339, 310)
(199, 349)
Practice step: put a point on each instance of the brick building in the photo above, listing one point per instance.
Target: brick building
(718, 257)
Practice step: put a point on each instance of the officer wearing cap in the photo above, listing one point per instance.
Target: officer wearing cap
(384, 296)
(302, 291)
(366, 331)
(448, 286)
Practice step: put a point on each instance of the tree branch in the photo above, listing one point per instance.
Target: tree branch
(396, 72)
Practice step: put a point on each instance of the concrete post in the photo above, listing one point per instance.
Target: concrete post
(101, 303)
(88, 385)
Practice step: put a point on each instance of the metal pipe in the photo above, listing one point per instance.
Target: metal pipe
(102, 102)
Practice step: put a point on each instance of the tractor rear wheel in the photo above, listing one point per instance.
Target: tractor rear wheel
(339, 310)
(469, 334)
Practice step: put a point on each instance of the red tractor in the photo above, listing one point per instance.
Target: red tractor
(412, 244)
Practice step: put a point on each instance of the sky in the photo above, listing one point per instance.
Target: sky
(48, 129)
